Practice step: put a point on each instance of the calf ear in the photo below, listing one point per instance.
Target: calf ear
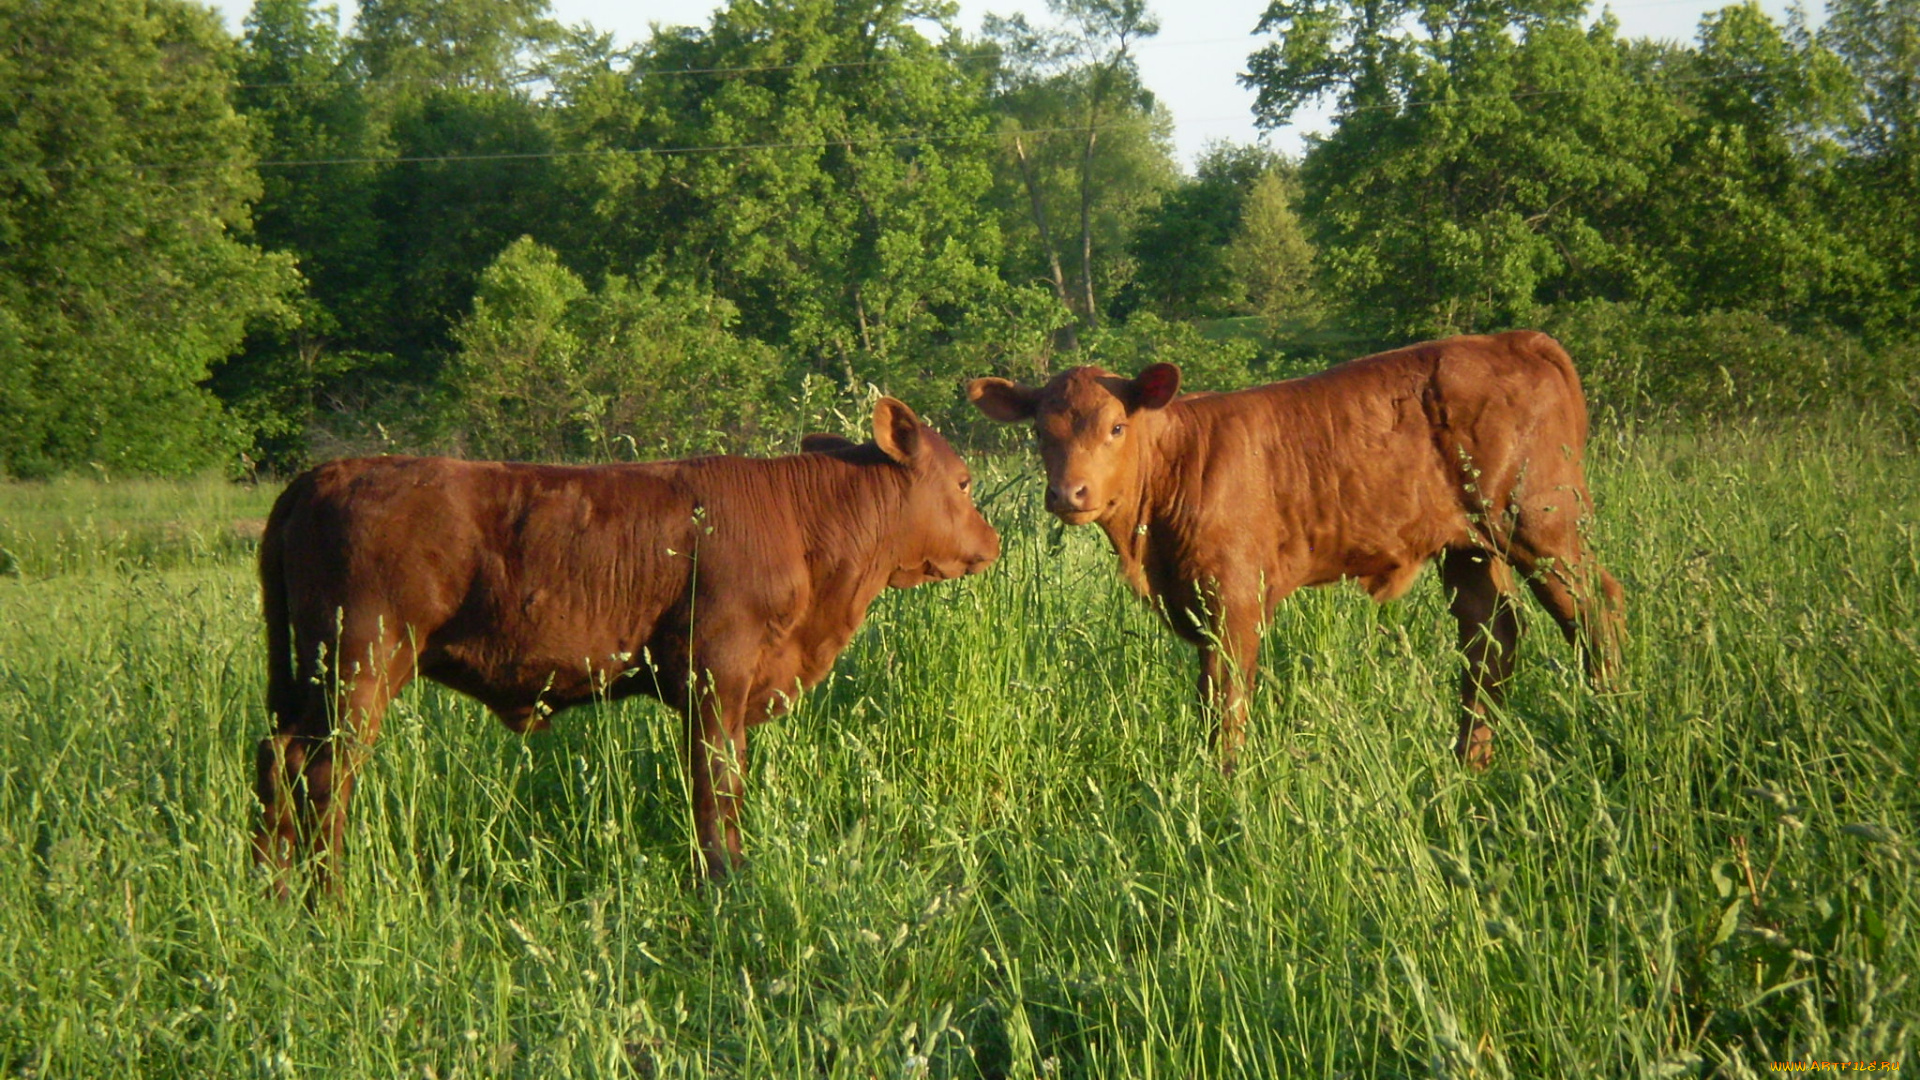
(825, 444)
(1156, 386)
(1002, 400)
(896, 431)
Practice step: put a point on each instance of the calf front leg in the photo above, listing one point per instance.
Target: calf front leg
(717, 763)
(1229, 661)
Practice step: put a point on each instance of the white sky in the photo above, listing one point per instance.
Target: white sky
(1192, 65)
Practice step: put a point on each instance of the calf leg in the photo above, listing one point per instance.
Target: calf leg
(1575, 589)
(304, 773)
(1589, 617)
(1489, 633)
(280, 764)
(717, 764)
(1229, 662)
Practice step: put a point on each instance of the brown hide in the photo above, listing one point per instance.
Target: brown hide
(1220, 505)
(533, 588)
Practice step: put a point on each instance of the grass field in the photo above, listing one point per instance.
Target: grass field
(992, 844)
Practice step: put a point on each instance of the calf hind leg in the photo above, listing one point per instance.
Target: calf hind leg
(280, 763)
(304, 772)
(1489, 634)
(717, 765)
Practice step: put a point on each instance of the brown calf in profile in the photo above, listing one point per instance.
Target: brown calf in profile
(1220, 505)
(722, 586)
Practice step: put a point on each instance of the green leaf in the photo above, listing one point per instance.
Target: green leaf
(1723, 878)
(1729, 923)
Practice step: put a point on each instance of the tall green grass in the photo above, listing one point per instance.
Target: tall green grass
(992, 844)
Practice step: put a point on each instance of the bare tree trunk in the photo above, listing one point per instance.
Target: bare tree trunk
(1057, 277)
(1066, 339)
(1090, 307)
(860, 316)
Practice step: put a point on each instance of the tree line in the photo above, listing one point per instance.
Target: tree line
(457, 224)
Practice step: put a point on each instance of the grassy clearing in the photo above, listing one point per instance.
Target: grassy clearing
(73, 526)
(992, 844)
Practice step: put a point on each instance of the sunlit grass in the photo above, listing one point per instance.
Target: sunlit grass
(76, 525)
(992, 843)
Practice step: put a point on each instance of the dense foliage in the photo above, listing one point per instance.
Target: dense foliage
(125, 182)
(321, 238)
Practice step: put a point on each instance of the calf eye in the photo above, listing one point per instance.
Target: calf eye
(966, 482)
(1117, 429)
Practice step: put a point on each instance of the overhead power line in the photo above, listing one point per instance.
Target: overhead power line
(848, 143)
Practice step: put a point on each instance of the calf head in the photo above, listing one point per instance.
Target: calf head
(943, 534)
(1087, 422)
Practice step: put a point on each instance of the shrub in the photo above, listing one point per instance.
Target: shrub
(1224, 364)
(549, 370)
(1725, 364)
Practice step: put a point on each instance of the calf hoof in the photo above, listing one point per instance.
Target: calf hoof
(1474, 747)
(716, 869)
(272, 853)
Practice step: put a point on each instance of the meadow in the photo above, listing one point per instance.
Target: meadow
(992, 843)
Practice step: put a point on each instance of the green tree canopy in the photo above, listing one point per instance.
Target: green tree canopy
(125, 177)
(1745, 217)
(1879, 42)
(547, 369)
(477, 44)
(1180, 247)
(1269, 259)
(824, 172)
(1477, 151)
(1492, 157)
(1087, 148)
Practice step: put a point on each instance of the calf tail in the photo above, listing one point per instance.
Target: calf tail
(282, 691)
(277, 761)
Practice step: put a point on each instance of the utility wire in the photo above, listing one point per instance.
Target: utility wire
(848, 143)
(747, 69)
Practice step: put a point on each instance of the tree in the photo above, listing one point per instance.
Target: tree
(399, 160)
(320, 143)
(603, 122)
(475, 44)
(1269, 259)
(547, 369)
(125, 179)
(1357, 52)
(320, 149)
(451, 87)
(1475, 155)
(1879, 41)
(1744, 214)
(1088, 145)
(1179, 248)
(472, 170)
(516, 382)
(821, 168)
